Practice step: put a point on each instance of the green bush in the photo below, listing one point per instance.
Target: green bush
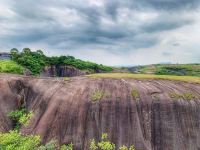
(135, 94)
(127, 148)
(104, 144)
(51, 145)
(15, 141)
(20, 117)
(8, 66)
(97, 95)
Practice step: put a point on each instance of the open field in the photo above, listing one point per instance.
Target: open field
(147, 76)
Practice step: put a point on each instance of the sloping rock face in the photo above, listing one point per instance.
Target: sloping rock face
(153, 119)
(61, 71)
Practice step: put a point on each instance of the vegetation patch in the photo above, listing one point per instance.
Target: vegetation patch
(135, 94)
(187, 96)
(105, 144)
(14, 140)
(20, 117)
(146, 76)
(35, 61)
(66, 79)
(169, 69)
(97, 95)
(8, 66)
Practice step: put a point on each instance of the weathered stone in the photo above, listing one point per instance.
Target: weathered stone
(64, 110)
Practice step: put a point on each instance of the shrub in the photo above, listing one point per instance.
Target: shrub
(51, 145)
(8, 66)
(104, 144)
(97, 95)
(15, 141)
(135, 94)
(187, 96)
(20, 117)
(127, 148)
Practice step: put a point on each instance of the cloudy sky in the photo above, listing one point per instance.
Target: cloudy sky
(111, 32)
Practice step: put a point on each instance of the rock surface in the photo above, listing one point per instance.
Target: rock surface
(61, 71)
(65, 110)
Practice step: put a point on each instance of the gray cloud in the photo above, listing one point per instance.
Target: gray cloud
(114, 25)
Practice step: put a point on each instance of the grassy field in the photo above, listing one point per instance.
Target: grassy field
(8, 66)
(146, 76)
(169, 69)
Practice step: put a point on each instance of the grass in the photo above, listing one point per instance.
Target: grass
(66, 78)
(187, 96)
(171, 69)
(97, 95)
(191, 79)
(9, 66)
(135, 94)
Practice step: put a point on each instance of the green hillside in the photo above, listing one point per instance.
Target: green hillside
(36, 60)
(8, 66)
(168, 69)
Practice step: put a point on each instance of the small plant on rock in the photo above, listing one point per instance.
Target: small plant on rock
(97, 95)
(127, 148)
(135, 94)
(104, 144)
(20, 117)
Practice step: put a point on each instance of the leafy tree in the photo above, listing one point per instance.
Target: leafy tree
(26, 51)
(14, 53)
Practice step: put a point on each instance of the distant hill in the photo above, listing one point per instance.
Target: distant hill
(168, 69)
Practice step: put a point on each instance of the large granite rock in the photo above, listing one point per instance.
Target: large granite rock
(61, 71)
(65, 110)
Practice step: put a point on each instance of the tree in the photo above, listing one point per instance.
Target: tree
(40, 52)
(26, 51)
(14, 53)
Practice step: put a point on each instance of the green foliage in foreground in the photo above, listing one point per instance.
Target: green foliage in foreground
(8, 66)
(35, 61)
(20, 117)
(15, 141)
(105, 144)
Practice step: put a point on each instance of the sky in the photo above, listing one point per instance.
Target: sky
(110, 32)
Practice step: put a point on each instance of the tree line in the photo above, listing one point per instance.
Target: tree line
(36, 60)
